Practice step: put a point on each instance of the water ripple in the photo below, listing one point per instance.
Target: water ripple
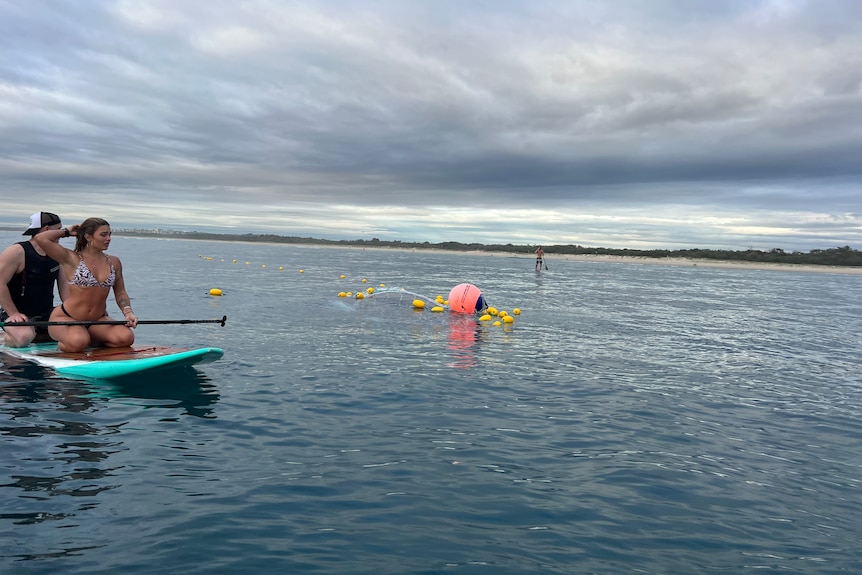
(643, 419)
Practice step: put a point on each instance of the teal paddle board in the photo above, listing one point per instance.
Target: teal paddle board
(110, 363)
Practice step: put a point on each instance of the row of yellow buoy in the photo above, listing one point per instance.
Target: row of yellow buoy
(218, 292)
(359, 294)
(263, 266)
(503, 317)
(419, 305)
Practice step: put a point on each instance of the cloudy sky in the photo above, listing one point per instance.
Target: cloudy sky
(639, 123)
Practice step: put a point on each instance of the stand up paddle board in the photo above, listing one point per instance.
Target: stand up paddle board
(110, 363)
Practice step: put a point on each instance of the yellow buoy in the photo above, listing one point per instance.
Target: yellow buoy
(342, 276)
(360, 295)
(281, 268)
(418, 304)
(503, 313)
(215, 291)
(492, 310)
(382, 285)
(508, 319)
(349, 294)
(370, 290)
(234, 261)
(263, 265)
(516, 311)
(364, 280)
(342, 294)
(302, 271)
(439, 299)
(497, 323)
(485, 317)
(437, 308)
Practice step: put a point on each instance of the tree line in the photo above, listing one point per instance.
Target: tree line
(839, 256)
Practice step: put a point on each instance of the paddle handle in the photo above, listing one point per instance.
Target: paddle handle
(110, 322)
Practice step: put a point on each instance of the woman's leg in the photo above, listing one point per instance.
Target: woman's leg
(112, 335)
(70, 338)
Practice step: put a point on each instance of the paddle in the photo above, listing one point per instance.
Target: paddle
(110, 322)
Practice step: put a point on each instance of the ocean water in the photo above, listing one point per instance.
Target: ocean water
(633, 419)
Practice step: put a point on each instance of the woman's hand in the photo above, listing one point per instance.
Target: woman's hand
(131, 318)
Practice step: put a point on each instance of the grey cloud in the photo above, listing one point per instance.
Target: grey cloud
(560, 104)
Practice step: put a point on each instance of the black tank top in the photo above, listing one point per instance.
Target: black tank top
(33, 289)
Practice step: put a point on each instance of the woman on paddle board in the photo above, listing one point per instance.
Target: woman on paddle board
(91, 274)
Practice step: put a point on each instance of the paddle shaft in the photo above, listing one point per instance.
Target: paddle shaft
(110, 322)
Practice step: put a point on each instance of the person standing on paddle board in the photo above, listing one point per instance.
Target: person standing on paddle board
(90, 274)
(27, 278)
(540, 258)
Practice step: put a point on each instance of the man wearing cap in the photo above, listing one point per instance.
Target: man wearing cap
(27, 278)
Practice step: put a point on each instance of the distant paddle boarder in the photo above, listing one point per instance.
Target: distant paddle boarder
(540, 258)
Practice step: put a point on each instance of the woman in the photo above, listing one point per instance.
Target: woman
(90, 274)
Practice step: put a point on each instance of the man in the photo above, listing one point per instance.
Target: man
(27, 278)
(540, 258)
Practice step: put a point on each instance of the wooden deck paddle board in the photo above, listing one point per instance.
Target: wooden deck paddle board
(109, 363)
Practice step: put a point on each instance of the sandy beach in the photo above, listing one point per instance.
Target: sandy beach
(707, 263)
(692, 262)
(550, 257)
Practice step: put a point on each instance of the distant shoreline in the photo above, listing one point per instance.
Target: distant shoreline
(832, 260)
(740, 264)
(691, 262)
(724, 264)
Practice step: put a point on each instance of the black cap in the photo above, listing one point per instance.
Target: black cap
(39, 220)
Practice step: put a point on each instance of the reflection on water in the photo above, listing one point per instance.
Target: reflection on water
(387, 315)
(633, 419)
(58, 447)
(55, 457)
(184, 388)
(463, 336)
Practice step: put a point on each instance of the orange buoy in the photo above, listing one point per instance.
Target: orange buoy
(464, 297)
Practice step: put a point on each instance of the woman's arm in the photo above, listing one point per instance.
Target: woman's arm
(49, 240)
(120, 294)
